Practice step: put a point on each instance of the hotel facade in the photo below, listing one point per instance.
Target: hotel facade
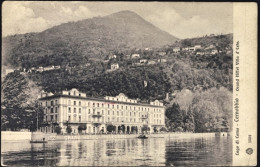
(73, 108)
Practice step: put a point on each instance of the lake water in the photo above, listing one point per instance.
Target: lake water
(199, 151)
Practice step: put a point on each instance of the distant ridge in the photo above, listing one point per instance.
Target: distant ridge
(94, 37)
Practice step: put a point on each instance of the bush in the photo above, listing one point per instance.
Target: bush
(111, 128)
(179, 129)
(145, 128)
(155, 129)
(163, 129)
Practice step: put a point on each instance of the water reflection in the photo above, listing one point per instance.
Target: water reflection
(200, 151)
(121, 152)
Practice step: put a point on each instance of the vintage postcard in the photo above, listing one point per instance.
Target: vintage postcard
(128, 83)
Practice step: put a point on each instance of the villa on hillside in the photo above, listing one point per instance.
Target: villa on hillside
(162, 53)
(196, 47)
(214, 51)
(176, 50)
(192, 48)
(162, 60)
(148, 49)
(40, 69)
(210, 47)
(200, 53)
(189, 49)
(9, 70)
(143, 61)
(6, 71)
(114, 66)
(48, 68)
(112, 57)
(74, 108)
(127, 56)
(135, 56)
(150, 62)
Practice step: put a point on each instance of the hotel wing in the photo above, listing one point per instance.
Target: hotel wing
(73, 108)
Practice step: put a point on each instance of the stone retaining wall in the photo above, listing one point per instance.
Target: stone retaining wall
(39, 136)
(12, 135)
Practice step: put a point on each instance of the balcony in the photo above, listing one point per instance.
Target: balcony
(144, 117)
(109, 122)
(96, 123)
(52, 122)
(96, 115)
(77, 122)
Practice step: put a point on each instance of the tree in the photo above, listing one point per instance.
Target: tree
(134, 129)
(69, 129)
(212, 110)
(163, 129)
(186, 42)
(184, 99)
(179, 129)
(111, 128)
(58, 129)
(81, 128)
(189, 122)
(145, 128)
(20, 106)
(175, 115)
(225, 124)
(155, 129)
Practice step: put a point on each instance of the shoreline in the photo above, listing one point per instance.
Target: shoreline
(39, 136)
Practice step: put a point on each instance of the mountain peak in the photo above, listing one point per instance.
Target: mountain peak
(94, 37)
(124, 14)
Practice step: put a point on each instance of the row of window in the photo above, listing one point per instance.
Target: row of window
(157, 116)
(52, 110)
(74, 118)
(102, 105)
(98, 113)
(126, 100)
(74, 93)
(102, 113)
(109, 119)
(112, 113)
(52, 103)
(116, 112)
(55, 118)
(74, 110)
(52, 118)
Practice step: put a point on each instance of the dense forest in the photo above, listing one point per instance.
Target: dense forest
(97, 83)
(192, 72)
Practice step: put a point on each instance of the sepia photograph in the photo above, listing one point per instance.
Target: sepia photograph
(121, 84)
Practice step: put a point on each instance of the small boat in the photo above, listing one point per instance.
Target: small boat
(38, 141)
(142, 137)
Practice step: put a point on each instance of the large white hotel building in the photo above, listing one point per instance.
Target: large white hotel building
(74, 108)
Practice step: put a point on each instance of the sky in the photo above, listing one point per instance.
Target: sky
(181, 19)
